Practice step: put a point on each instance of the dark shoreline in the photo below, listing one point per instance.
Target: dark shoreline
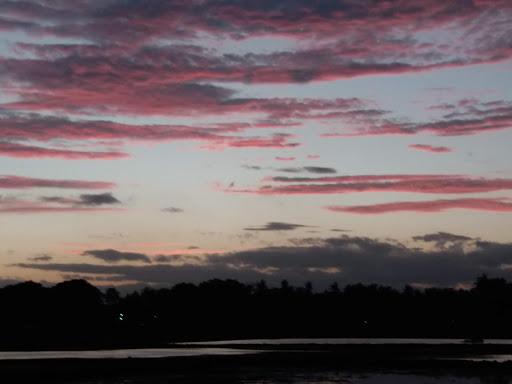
(431, 360)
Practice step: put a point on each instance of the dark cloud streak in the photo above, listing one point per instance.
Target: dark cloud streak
(114, 256)
(322, 261)
(276, 226)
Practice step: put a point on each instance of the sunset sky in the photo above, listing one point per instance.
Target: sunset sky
(154, 142)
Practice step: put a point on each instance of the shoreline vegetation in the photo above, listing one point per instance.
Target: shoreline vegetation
(75, 314)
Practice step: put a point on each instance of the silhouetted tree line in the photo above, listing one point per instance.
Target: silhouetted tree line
(77, 313)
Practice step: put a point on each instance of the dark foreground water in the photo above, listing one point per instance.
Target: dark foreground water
(147, 353)
(284, 361)
(345, 341)
(311, 378)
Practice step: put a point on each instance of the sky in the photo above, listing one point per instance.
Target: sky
(156, 142)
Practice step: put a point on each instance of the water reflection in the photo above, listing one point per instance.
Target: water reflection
(121, 353)
(332, 378)
(342, 341)
(496, 358)
(315, 378)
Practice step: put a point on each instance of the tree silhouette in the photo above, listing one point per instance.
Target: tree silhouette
(77, 313)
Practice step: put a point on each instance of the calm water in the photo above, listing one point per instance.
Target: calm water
(121, 353)
(221, 348)
(345, 341)
(315, 378)
(338, 378)
(274, 376)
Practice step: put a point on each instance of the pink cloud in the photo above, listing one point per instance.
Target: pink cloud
(493, 205)
(17, 206)
(273, 142)
(276, 141)
(280, 158)
(29, 151)
(467, 117)
(58, 204)
(184, 252)
(231, 19)
(276, 113)
(44, 128)
(20, 182)
(364, 178)
(433, 184)
(430, 148)
(119, 69)
(32, 208)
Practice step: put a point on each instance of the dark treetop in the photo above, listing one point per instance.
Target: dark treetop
(76, 314)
